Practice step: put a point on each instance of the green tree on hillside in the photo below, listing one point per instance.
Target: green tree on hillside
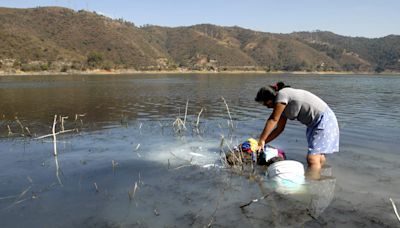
(94, 59)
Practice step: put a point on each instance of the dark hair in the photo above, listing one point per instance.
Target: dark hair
(269, 92)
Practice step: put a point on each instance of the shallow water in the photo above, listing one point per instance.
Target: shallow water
(126, 137)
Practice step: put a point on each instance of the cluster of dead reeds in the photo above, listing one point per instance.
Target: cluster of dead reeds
(180, 123)
(24, 130)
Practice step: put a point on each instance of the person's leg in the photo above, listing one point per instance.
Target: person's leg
(314, 165)
(323, 160)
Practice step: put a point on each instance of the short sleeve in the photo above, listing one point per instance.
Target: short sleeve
(282, 97)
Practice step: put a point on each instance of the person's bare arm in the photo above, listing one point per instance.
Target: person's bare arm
(278, 130)
(271, 124)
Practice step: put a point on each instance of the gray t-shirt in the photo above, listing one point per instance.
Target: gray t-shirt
(301, 105)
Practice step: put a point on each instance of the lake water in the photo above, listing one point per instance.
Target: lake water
(127, 165)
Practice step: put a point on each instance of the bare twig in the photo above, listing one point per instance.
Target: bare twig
(221, 145)
(229, 113)
(114, 165)
(62, 122)
(19, 199)
(198, 121)
(156, 213)
(132, 191)
(186, 109)
(183, 166)
(29, 179)
(58, 170)
(9, 130)
(18, 202)
(254, 200)
(79, 115)
(137, 147)
(198, 117)
(395, 209)
(57, 133)
(54, 135)
(140, 179)
(29, 132)
(20, 124)
(7, 197)
(179, 124)
(23, 193)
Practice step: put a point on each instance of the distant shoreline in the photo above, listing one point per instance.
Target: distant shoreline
(124, 72)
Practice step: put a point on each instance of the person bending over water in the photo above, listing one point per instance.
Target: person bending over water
(289, 103)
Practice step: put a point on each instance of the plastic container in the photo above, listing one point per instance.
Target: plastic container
(288, 176)
(286, 167)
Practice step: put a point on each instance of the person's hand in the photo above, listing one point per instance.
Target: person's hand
(261, 145)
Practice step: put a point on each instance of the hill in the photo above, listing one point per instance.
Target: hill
(60, 39)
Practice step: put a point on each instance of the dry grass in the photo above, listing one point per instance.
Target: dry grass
(132, 191)
(179, 125)
(395, 209)
(230, 122)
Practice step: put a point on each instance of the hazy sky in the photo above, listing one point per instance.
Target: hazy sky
(368, 18)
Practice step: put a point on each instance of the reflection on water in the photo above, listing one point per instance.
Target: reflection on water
(125, 139)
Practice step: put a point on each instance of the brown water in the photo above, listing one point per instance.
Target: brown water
(126, 136)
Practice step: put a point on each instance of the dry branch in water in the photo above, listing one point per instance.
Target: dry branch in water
(156, 213)
(198, 121)
(132, 192)
(54, 135)
(9, 130)
(179, 124)
(183, 166)
(395, 209)
(62, 118)
(58, 170)
(79, 115)
(254, 200)
(57, 133)
(186, 109)
(29, 132)
(19, 199)
(138, 146)
(96, 187)
(20, 124)
(229, 113)
(114, 165)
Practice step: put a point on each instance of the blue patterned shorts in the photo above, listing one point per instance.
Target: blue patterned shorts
(323, 136)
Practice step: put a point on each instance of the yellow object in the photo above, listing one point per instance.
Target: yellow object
(253, 144)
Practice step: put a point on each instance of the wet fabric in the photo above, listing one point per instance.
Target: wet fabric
(249, 146)
(323, 136)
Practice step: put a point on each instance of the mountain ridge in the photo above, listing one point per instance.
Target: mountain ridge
(61, 39)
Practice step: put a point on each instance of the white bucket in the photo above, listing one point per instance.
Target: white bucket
(285, 167)
(288, 176)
